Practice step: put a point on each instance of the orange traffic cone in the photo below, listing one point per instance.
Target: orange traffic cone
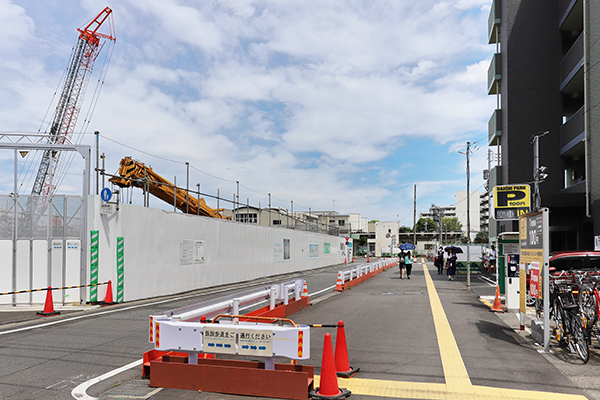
(328, 388)
(49, 305)
(339, 285)
(368, 259)
(497, 307)
(108, 299)
(345, 260)
(342, 365)
(305, 292)
(352, 259)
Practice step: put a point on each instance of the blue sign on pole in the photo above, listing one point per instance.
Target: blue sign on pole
(106, 194)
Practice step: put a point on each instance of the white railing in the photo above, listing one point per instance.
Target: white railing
(185, 330)
(357, 272)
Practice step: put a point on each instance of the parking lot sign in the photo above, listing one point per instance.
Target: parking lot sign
(511, 201)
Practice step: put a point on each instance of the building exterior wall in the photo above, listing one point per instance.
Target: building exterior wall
(383, 229)
(474, 211)
(593, 93)
(543, 88)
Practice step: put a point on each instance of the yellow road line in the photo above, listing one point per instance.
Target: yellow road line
(434, 391)
(487, 303)
(458, 384)
(455, 372)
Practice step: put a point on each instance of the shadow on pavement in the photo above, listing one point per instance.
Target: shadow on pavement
(497, 331)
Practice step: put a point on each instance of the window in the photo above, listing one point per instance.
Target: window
(276, 222)
(594, 262)
(341, 222)
(251, 218)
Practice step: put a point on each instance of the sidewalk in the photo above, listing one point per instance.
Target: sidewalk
(412, 338)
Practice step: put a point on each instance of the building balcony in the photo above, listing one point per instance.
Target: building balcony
(571, 14)
(572, 132)
(494, 22)
(495, 128)
(495, 74)
(571, 65)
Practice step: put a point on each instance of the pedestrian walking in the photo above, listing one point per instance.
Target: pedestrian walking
(408, 261)
(439, 260)
(401, 263)
(451, 265)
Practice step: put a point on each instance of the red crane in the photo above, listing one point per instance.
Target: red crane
(89, 45)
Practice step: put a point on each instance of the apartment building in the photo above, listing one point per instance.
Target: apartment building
(544, 75)
(478, 211)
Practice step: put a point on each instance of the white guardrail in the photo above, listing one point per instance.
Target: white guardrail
(357, 272)
(181, 329)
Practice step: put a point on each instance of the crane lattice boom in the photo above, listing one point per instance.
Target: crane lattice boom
(89, 45)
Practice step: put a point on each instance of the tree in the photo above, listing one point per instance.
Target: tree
(451, 224)
(373, 221)
(404, 229)
(426, 225)
(482, 237)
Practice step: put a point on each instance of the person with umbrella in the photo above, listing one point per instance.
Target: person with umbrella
(439, 260)
(408, 262)
(401, 263)
(402, 258)
(451, 262)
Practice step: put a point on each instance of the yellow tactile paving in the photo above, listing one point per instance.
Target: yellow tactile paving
(458, 384)
(455, 372)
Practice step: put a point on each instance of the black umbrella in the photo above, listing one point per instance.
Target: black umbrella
(455, 250)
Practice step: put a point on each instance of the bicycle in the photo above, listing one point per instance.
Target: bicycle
(589, 302)
(570, 328)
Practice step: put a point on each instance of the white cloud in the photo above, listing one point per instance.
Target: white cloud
(304, 98)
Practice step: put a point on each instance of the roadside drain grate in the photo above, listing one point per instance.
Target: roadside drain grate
(131, 390)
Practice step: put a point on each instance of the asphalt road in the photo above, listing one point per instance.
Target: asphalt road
(395, 333)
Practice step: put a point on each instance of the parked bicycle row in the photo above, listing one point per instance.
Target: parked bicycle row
(574, 308)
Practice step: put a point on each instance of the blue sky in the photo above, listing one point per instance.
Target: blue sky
(352, 101)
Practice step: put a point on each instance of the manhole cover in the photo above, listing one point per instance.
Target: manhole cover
(413, 293)
(132, 390)
(387, 294)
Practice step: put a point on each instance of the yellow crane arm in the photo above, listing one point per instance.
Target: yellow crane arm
(136, 174)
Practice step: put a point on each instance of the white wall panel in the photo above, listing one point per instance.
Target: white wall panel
(6, 273)
(40, 270)
(233, 252)
(57, 265)
(72, 270)
(23, 255)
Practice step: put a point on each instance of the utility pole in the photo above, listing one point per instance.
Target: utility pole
(467, 152)
(97, 162)
(198, 206)
(415, 219)
(103, 157)
(236, 199)
(187, 189)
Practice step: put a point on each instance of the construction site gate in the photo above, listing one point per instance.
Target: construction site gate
(47, 243)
